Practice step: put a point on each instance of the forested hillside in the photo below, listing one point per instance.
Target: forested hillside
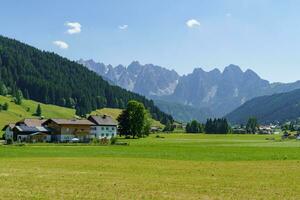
(269, 109)
(49, 78)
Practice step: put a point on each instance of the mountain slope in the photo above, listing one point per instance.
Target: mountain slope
(220, 91)
(268, 109)
(183, 113)
(52, 79)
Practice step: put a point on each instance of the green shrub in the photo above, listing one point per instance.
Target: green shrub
(95, 140)
(113, 140)
(9, 141)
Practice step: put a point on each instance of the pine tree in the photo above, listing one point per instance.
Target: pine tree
(18, 97)
(5, 106)
(38, 111)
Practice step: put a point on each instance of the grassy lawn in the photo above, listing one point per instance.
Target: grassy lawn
(179, 166)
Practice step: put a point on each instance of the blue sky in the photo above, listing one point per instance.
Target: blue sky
(263, 35)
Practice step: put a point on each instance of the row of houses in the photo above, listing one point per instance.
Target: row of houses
(263, 129)
(61, 130)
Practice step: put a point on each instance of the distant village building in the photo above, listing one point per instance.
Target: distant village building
(265, 130)
(27, 130)
(104, 126)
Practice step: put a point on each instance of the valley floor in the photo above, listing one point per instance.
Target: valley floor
(179, 166)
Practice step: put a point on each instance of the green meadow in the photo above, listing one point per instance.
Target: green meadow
(177, 166)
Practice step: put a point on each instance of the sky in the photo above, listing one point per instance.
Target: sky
(263, 35)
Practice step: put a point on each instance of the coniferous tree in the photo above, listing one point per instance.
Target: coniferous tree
(5, 106)
(217, 126)
(19, 97)
(38, 111)
(252, 125)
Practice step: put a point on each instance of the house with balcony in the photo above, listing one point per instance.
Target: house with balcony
(68, 130)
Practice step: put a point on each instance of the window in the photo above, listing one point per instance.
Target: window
(106, 134)
(102, 135)
(102, 128)
(113, 128)
(106, 128)
(112, 135)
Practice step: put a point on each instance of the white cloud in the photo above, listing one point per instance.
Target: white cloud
(192, 23)
(74, 27)
(123, 27)
(61, 44)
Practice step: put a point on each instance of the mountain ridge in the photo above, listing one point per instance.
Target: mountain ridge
(218, 91)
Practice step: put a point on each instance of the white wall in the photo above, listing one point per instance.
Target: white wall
(104, 131)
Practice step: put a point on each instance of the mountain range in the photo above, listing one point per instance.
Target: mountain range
(212, 93)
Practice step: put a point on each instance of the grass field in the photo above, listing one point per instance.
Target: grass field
(179, 166)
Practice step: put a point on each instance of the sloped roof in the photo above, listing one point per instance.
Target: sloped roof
(103, 120)
(71, 121)
(24, 128)
(31, 122)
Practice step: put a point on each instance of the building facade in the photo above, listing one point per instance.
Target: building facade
(64, 130)
(105, 126)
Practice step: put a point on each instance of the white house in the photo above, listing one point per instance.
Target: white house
(105, 126)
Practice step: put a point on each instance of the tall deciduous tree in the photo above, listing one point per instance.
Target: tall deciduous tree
(132, 119)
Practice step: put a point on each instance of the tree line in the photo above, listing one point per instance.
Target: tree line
(212, 126)
(49, 78)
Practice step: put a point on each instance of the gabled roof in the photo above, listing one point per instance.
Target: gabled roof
(103, 120)
(70, 122)
(31, 122)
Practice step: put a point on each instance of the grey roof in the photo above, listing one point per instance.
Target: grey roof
(103, 120)
(23, 128)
